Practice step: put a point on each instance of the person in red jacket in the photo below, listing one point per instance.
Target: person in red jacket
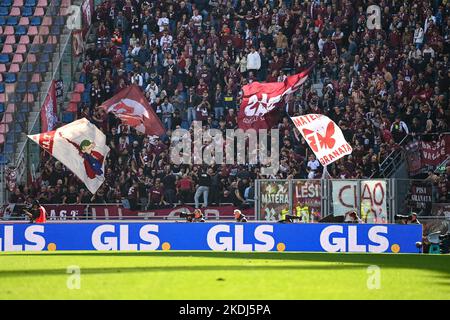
(38, 213)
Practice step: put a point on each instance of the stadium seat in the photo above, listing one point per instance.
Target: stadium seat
(27, 67)
(21, 48)
(45, 57)
(3, 159)
(2, 106)
(24, 21)
(28, 98)
(59, 21)
(30, 3)
(6, 3)
(42, 68)
(52, 40)
(42, 3)
(35, 48)
(10, 40)
(11, 108)
(4, 58)
(27, 12)
(17, 58)
(7, 48)
(2, 67)
(55, 31)
(36, 78)
(39, 12)
(47, 21)
(21, 117)
(31, 58)
(12, 21)
(20, 30)
(4, 127)
(22, 77)
(15, 12)
(2, 90)
(10, 77)
(43, 30)
(36, 21)
(32, 30)
(8, 30)
(14, 68)
(4, 11)
(48, 48)
(2, 98)
(24, 39)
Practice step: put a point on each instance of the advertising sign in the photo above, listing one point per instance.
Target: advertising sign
(262, 237)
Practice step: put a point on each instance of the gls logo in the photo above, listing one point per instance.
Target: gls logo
(331, 242)
(33, 235)
(373, 17)
(220, 238)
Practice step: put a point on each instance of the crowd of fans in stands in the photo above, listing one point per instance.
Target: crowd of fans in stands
(192, 58)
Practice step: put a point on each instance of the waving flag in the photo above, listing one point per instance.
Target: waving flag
(324, 137)
(133, 109)
(48, 110)
(260, 101)
(81, 147)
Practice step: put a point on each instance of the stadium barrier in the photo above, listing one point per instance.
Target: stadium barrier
(116, 211)
(375, 200)
(261, 237)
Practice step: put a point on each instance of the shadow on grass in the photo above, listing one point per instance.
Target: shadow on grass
(439, 263)
(180, 268)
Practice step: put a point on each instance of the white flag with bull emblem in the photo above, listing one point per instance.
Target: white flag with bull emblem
(324, 137)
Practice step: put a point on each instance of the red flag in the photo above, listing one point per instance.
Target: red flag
(133, 109)
(260, 101)
(48, 110)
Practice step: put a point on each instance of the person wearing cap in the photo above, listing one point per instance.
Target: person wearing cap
(239, 216)
(413, 219)
(38, 213)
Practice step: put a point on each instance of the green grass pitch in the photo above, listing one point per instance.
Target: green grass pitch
(223, 275)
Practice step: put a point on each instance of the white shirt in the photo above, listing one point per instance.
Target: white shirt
(313, 164)
(253, 61)
(166, 39)
(162, 22)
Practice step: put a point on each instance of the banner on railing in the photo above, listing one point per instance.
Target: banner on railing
(308, 193)
(373, 201)
(247, 237)
(117, 211)
(420, 197)
(425, 155)
(274, 197)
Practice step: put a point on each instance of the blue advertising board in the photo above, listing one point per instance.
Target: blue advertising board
(130, 236)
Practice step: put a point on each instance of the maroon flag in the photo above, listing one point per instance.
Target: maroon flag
(261, 100)
(133, 109)
(48, 110)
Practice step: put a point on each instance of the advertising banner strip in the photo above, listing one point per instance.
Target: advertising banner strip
(211, 237)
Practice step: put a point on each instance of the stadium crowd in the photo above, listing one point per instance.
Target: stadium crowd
(193, 57)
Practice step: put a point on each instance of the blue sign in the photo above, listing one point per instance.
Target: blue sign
(132, 236)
